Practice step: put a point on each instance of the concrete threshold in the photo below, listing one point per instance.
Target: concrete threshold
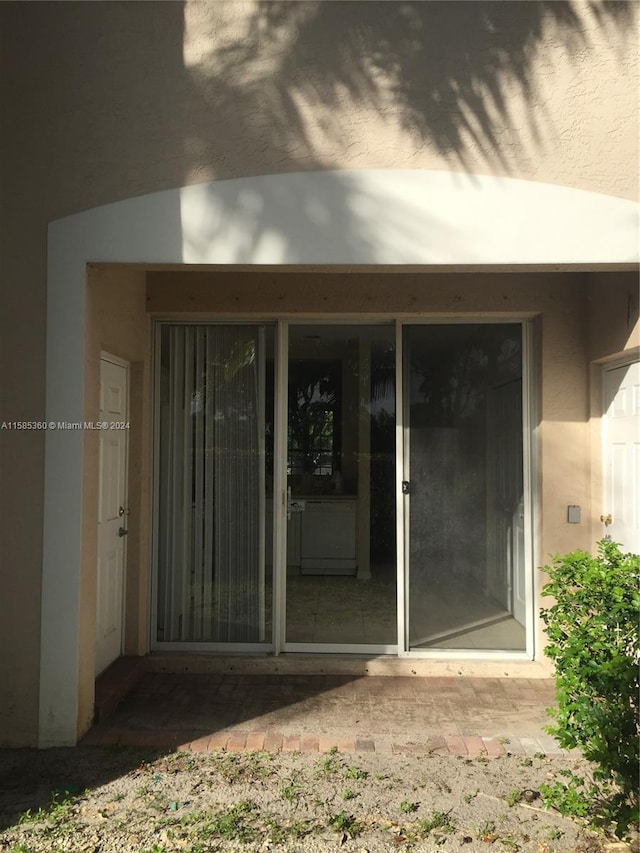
(335, 664)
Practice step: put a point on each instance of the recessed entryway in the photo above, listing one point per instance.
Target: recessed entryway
(174, 228)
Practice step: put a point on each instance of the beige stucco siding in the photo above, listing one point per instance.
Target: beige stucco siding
(106, 101)
(117, 100)
(500, 88)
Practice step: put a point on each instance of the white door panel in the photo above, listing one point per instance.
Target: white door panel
(622, 455)
(111, 518)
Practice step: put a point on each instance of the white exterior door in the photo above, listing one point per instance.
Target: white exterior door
(622, 455)
(112, 512)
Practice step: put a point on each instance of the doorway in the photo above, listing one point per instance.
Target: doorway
(464, 486)
(113, 510)
(621, 455)
(341, 570)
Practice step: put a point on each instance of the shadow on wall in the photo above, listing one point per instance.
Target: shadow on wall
(313, 86)
(303, 77)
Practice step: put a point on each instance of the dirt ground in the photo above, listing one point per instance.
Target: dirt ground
(121, 800)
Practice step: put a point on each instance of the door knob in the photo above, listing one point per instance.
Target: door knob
(124, 511)
(606, 519)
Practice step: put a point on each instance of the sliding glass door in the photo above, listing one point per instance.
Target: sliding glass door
(214, 481)
(317, 416)
(464, 509)
(341, 526)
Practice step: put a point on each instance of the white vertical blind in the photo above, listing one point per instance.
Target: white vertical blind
(200, 600)
(211, 574)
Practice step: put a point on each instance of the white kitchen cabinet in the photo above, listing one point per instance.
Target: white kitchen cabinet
(321, 536)
(328, 536)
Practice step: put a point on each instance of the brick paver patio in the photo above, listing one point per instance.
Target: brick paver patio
(312, 713)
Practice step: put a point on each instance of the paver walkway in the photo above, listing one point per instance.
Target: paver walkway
(309, 713)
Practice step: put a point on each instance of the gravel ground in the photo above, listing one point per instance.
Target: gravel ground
(118, 800)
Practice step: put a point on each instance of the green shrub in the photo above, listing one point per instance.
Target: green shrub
(593, 641)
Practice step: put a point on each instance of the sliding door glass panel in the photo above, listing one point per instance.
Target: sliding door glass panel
(215, 497)
(464, 448)
(341, 567)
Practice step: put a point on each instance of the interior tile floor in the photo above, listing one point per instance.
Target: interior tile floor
(338, 609)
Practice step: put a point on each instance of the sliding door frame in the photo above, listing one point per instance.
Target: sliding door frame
(280, 488)
(196, 646)
(278, 642)
(333, 321)
(529, 460)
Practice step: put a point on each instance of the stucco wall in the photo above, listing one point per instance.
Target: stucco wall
(105, 101)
